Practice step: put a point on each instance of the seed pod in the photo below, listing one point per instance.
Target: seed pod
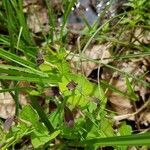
(68, 117)
(71, 85)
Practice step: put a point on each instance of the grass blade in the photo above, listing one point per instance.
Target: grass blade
(129, 140)
(29, 79)
(42, 114)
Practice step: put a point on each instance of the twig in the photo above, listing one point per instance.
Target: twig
(121, 117)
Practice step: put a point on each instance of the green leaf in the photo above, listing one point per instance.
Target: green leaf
(35, 93)
(29, 114)
(83, 92)
(92, 106)
(45, 67)
(125, 129)
(56, 118)
(94, 132)
(40, 138)
(106, 128)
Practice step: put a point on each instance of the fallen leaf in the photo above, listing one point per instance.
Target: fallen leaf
(141, 37)
(96, 52)
(7, 104)
(119, 103)
(145, 117)
(37, 19)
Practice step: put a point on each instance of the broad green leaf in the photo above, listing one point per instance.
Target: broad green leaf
(55, 118)
(82, 93)
(125, 129)
(40, 138)
(63, 67)
(29, 114)
(92, 106)
(78, 100)
(106, 128)
(45, 67)
(94, 132)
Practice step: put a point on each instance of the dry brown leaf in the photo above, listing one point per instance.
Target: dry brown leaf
(96, 52)
(7, 104)
(120, 104)
(145, 118)
(141, 37)
(37, 18)
(37, 14)
(27, 4)
(137, 67)
(100, 52)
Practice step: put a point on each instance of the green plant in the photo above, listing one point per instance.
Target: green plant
(80, 118)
